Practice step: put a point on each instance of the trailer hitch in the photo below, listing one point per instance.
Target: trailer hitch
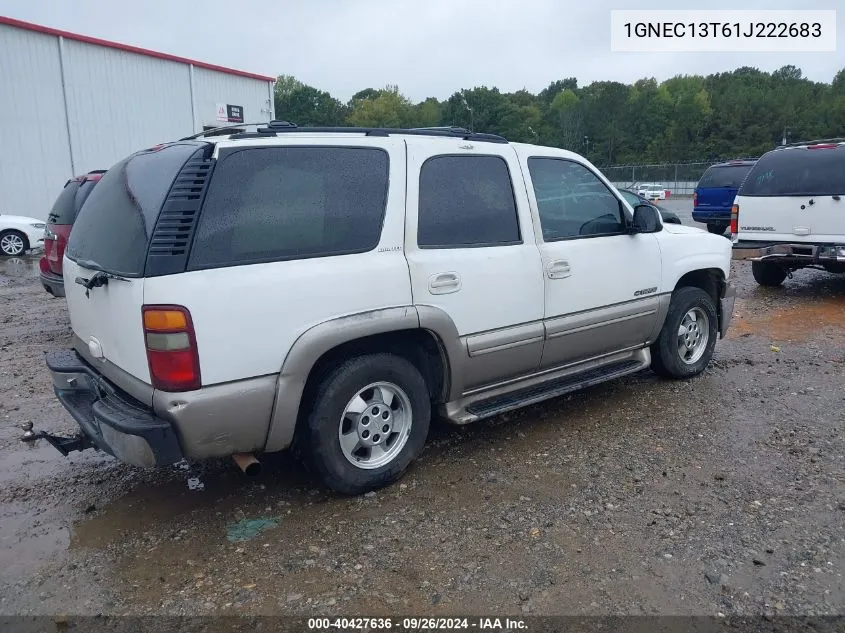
(64, 445)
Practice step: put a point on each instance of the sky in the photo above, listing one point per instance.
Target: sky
(429, 48)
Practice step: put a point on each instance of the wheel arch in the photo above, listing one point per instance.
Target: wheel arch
(429, 342)
(710, 280)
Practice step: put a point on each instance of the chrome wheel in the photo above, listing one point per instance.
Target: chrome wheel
(693, 335)
(11, 244)
(375, 425)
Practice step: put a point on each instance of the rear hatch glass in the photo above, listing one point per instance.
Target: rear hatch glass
(64, 209)
(113, 229)
(718, 185)
(798, 172)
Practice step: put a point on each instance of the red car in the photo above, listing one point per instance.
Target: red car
(59, 223)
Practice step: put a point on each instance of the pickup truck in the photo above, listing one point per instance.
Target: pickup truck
(329, 289)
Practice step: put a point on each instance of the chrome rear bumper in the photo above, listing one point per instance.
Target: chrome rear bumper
(798, 253)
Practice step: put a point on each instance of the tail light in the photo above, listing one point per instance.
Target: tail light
(695, 198)
(735, 219)
(171, 348)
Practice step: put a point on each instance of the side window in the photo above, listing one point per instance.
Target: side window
(572, 201)
(280, 203)
(466, 201)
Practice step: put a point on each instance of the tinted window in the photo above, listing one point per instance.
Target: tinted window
(278, 203)
(792, 172)
(113, 228)
(572, 201)
(466, 201)
(82, 194)
(731, 177)
(64, 210)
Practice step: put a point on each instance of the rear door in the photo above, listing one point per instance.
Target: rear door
(795, 195)
(110, 237)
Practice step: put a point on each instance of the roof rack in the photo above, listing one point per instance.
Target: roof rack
(839, 139)
(274, 128)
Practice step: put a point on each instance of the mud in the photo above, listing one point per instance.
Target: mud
(722, 494)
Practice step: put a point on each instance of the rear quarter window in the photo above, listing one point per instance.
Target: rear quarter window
(113, 228)
(728, 177)
(796, 172)
(281, 203)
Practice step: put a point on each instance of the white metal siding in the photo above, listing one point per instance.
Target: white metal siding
(211, 88)
(120, 102)
(34, 153)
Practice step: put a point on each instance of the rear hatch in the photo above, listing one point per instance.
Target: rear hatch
(795, 195)
(718, 187)
(110, 239)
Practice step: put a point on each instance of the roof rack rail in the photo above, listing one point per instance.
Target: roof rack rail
(273, 128)
(838, 139)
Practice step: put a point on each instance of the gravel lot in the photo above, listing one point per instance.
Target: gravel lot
(724, 494)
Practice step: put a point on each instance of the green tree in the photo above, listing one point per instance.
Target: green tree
(389, 108)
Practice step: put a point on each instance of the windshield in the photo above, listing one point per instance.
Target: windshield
(795, 172)
(728, 176)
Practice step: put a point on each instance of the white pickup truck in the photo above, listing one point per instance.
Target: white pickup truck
(328, 288)
(789, 212)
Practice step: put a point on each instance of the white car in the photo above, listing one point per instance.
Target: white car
(652, 191)
(19, 234)
(789, 212)
(327, 289)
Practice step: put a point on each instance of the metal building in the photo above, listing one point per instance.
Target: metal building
(72, 103)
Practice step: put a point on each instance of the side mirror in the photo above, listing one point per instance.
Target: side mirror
(646, 219)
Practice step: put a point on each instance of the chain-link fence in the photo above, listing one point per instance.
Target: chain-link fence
(678, 179)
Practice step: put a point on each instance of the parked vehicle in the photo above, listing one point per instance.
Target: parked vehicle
(326, 289)
(59, 224)
(652, 191)
(715, 192)
(633, 199)
(19, 234)
(790, 213)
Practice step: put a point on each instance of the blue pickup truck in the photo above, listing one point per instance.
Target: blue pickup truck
(714, 195)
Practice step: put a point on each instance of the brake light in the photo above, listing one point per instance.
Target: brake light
(823, 146)
(171, 348)
(735, 219)
(695, 198)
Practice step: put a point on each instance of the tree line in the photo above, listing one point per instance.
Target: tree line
(742, 113)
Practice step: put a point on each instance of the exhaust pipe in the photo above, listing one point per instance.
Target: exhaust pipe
(247, 463)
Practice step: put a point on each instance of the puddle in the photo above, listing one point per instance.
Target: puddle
(29, 538)
(14, 269)
(799, 322)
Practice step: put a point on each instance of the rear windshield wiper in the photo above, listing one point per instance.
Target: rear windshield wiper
(98, 279)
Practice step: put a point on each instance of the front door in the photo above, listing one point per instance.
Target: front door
(471, 251)
(601, 283)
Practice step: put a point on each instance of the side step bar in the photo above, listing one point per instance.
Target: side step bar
(532, 395)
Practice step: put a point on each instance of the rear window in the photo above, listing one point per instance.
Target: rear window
(796, 172)
(281, 203)
(113, 228)
(729, 176)
(64, 209)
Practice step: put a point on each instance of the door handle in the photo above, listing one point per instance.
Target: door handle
(444, 283)
(559, 269)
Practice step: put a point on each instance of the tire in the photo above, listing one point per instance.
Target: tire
(13, 243)
(320, 441)
(718, 228)
(668, 358)
(768, 274)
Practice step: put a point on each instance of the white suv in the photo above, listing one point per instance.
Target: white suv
(789, 212)
(329, 288)
(652, 191)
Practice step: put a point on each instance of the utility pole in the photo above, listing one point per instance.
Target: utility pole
(587, 143)
(466, 105)
(786, 132)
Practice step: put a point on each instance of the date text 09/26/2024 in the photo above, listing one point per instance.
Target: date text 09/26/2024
(417, 624)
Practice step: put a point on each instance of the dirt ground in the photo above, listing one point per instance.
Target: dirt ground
(721, 495)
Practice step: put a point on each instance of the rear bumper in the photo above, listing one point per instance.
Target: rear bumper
(113, 421)
(711, 215)
(789, 253)
(54, 284)
(726, 309)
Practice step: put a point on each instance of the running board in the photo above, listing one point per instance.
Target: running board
(554, 388)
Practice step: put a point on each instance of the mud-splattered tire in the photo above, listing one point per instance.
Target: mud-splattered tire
(768, 274)
(369, 420)
(686, 343)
